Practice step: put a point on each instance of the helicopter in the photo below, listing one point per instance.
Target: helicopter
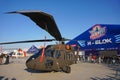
(56, 57)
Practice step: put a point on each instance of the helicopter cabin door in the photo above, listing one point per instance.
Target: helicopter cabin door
(50, 59)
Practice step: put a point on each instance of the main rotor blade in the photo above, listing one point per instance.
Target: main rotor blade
(43, 20)
(28, 41)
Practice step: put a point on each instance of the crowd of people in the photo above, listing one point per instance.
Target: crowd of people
(92, 58)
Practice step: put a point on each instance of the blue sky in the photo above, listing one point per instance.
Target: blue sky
(73, 17)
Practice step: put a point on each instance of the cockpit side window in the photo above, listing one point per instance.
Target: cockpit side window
(57, 54)
(49, 53)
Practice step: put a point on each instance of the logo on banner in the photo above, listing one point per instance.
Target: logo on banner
(97, 32)
(117, 38)
(82, 43)
(102, 41)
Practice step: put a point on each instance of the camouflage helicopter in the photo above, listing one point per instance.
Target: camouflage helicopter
(56, 57)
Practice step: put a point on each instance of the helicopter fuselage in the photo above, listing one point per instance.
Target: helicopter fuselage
(56, 58)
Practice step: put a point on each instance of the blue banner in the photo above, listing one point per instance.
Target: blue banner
(99, 37)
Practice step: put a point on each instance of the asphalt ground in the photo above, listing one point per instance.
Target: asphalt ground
(16, 70)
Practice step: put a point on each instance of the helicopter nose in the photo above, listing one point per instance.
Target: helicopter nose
(29, 63)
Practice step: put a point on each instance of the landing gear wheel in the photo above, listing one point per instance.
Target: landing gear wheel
(67, 69)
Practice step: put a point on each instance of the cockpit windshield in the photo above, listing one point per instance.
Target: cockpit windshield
(35, 55)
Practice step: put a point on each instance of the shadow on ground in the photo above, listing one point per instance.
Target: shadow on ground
(106, 78)
(5, 78)
(36, 71)
(116, 75)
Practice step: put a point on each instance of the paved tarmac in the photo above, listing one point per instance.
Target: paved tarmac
(17, 70)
